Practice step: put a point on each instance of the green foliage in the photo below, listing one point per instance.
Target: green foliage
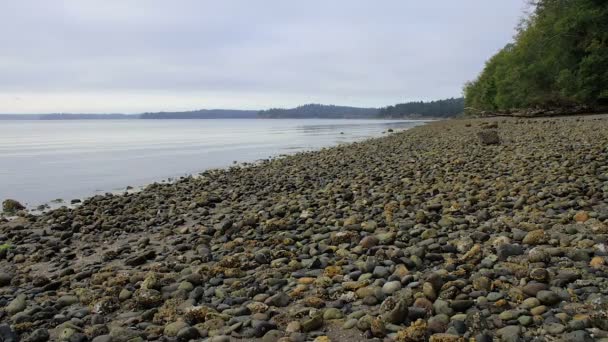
(319, 111)
(439, 109)
(559, 58)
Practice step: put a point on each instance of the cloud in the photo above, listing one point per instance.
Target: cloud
(128, 55)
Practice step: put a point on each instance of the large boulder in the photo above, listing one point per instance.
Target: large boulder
(10, 206)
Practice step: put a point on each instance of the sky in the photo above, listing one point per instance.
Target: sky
(130, 56)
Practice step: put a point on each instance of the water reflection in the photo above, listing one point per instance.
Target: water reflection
(67, 159)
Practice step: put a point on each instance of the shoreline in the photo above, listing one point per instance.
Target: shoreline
(424, 233)
(34, 206)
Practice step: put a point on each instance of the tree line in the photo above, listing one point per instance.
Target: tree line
(202, 114)
(438, 109)
(559, 58)
(319, 111)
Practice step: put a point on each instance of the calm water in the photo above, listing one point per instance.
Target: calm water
(44, 160)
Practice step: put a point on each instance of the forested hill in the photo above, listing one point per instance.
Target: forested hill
(438, 109)
(319, 111)
(559, 59)
(203, 114)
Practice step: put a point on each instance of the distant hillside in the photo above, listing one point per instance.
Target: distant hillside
(66, 116)
(203, 114)
(86, 116)
(442, 108)
(319, 111)
(19, 117)
(437, 109)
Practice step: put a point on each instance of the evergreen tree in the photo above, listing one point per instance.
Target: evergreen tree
(438, 109)
(559, 57)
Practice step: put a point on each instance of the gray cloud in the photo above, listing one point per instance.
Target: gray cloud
(96, 56)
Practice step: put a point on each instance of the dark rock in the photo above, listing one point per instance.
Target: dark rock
(506, 250)
(5, 278)
(263, 257)
(369, 241)
(140, 258)
(262, 327)
(38, 335)
(461, 305)
(599, 320)
(395, 311)
(280, 300)
(532, 288)
(7, 334)
(187, 334)
(11, 206)
(565, 277)
(548, 297)
(489, 137)
(313, 323)
(102, 338)
(415, 313)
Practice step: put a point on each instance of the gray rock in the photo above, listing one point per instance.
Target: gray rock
(102, 338)
(510, 333)
(124, 294)
(66, 333)
(272, 336)
(313, 323)
(548, 297)
(280, 300)
(67, 300)
(525, 320)
(554, 328)
(38, 335)
(120, 334)
(391, 287)
(332, 313)
(442, 307)
(350, 323)
(380, 272)
(578, 336)
(16, 305)
(494, 296)
(7, 334)
(260, 328)
(577, 324)
(579, 255)
(172, 329)
(533, 288)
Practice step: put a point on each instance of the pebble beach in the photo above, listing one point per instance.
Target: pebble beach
(431, 234)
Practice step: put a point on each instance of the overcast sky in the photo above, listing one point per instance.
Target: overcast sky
(150, 55)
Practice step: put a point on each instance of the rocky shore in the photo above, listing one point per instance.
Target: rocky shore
(435, 233)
